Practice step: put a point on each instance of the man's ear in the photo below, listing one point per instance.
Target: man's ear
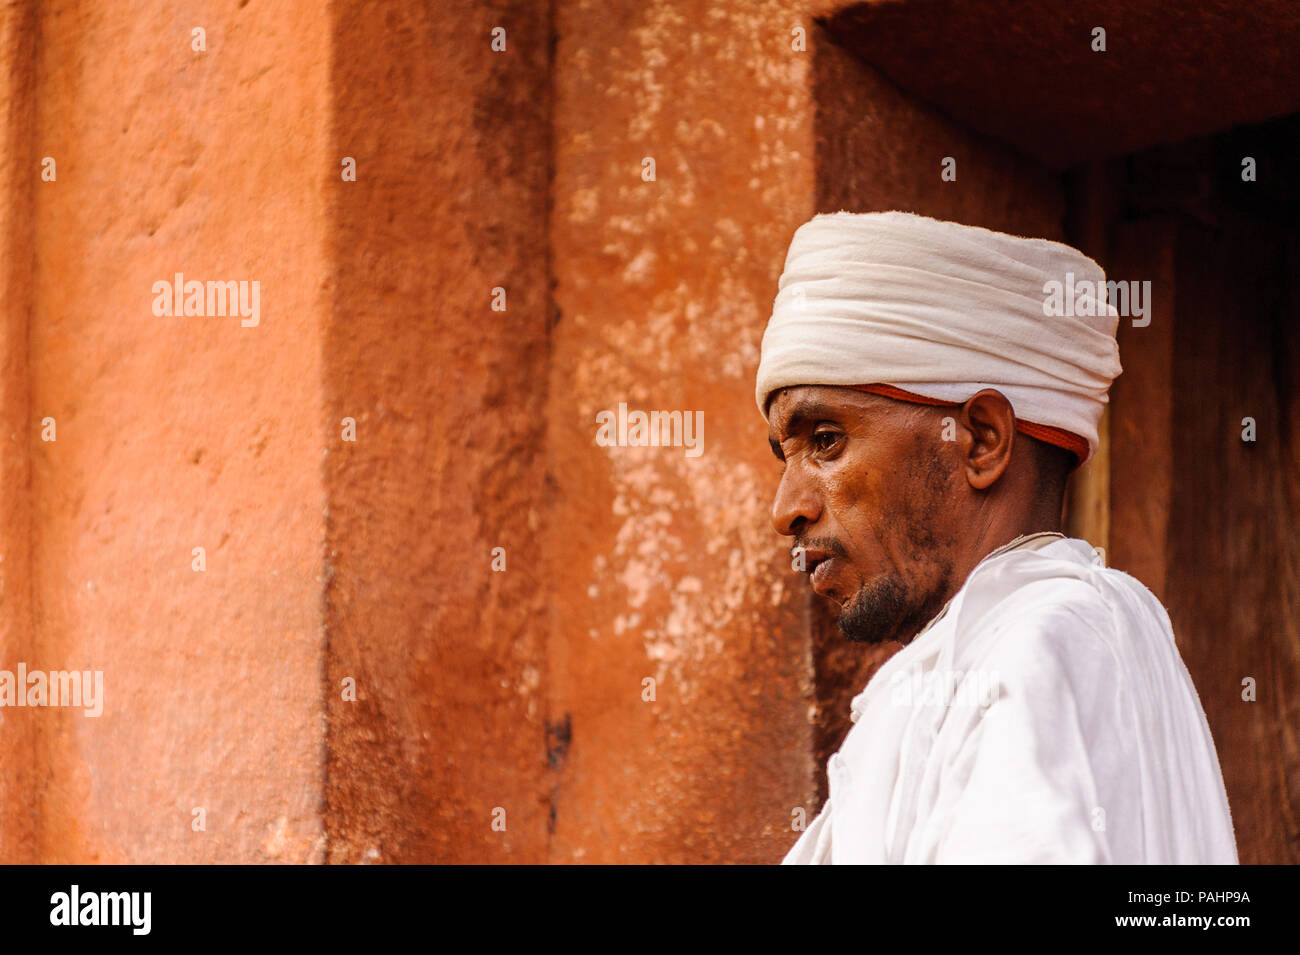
(990, 427)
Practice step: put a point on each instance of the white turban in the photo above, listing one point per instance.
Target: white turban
(938, 310)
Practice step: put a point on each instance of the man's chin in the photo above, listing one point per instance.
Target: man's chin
(857, 630)
(881, 611)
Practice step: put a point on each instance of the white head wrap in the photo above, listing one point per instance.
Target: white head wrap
(943, 310)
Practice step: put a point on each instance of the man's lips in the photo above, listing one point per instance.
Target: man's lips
(819, 575)
(819, 570)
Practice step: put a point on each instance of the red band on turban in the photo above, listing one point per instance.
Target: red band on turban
(1057, 436)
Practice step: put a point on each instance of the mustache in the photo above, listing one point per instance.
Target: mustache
(828, 544)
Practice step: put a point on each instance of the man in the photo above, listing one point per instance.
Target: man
(928, 409)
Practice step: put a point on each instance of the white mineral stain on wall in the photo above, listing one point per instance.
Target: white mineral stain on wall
(683, 603)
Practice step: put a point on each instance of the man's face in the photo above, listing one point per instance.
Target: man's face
(869, 492)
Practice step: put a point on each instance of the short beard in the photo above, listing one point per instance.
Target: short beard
(885, 608)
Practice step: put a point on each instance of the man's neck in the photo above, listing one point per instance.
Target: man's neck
(1002, 533)
(998, 536)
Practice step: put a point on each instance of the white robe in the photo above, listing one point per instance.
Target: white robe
(1044, 715)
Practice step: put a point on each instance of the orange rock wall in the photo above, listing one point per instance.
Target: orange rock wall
(175, 433)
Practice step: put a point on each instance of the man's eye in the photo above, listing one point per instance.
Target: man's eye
(825, 440)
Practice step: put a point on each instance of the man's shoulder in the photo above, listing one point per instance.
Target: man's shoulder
(1040, 610)
(1066, 577)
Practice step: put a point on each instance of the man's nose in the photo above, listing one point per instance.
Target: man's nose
(797, 504)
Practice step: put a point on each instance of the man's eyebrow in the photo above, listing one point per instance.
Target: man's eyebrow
(806, 411)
